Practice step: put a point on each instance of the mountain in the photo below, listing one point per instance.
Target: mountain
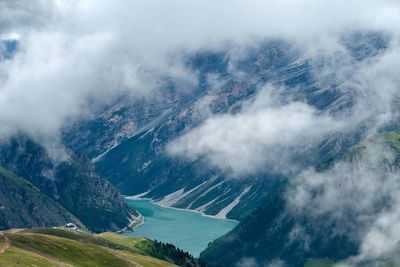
(265, 236)
(60, 247)
(120, 119)
(138, 161)
(22, 205)
(141, 163)
(71, 183)
(268, 234)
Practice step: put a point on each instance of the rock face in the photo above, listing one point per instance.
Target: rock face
(275, 231)
(120, 120)
(140, 163)
(71, 183)
(24, 206)
(266, 236)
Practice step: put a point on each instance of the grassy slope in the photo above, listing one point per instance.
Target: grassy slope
(57, 247)
(156, 249)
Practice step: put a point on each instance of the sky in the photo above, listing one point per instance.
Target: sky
(73, 53)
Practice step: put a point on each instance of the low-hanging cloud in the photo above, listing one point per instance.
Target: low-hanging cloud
(257, 138)
(72, 52)
(360, 196)
(265, 133)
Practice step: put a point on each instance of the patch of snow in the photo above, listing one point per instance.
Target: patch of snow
(173, 198)
(222, 213)
(204, 193)
(94, 160)
(203, 208)
(216, 201)
(145, 165)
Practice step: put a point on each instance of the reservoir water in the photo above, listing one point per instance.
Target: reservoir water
(187, 230)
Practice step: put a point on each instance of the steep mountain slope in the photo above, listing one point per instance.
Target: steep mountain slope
(71, 183)
(265, 236)
(58, 247)
(124, 117)
(23, 205)
(276, 232)
(143, 164)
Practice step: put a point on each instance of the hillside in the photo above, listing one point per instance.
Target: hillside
(225, 133)
(59, 247)
(142, 162)
(70, 182)
(23, 205)
(271, 231)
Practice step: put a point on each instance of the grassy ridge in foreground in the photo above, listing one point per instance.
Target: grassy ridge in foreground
(59, 247)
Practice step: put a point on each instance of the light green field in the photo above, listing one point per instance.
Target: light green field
(59, 247)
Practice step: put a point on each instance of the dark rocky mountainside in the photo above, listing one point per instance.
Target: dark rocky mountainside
(139, 161)
(22, 205)
(276, 232)
(71, 183)
(142, 164)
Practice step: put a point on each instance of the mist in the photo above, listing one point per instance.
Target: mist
(71, 52)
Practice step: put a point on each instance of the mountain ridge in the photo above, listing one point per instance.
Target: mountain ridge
(71, 183)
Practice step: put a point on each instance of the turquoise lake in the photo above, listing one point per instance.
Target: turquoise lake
(187, 230)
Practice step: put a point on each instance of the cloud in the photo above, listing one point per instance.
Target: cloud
(267, 132)
(380, 84)
(247, 262)
(362, 196)
(74, 52)
(19, 14)
(58, 70)
(359, 196)
(258, 137)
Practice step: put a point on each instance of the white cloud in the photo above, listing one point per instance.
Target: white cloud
(361, 196)
(71, 51)
(257, 138)
(58, 69)
(263, 135)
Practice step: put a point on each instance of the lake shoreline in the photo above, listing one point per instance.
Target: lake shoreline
(189, 230)
(139, 197)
